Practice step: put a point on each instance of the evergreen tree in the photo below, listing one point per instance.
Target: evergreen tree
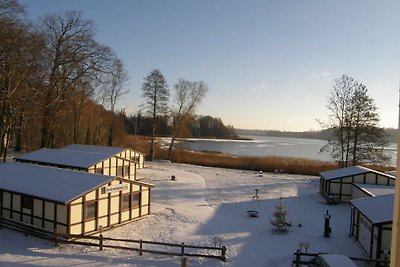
(156, 95)
(280, 214)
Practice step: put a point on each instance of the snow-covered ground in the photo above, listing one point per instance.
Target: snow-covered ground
(201, 203)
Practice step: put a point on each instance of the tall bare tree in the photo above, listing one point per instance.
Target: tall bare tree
(71, 55)
(156, 95)
(118, 78)
(188, 95)
(353, 122)
(19, 51)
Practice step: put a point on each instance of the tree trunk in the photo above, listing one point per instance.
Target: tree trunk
(111, 132)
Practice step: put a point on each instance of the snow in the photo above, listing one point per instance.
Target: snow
(107, 150)
(376, 190)
(59, 185)
(200, 204)
(345, 172)
(64, 157)
(378, 209)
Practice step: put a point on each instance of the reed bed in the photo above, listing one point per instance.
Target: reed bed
(289, 165)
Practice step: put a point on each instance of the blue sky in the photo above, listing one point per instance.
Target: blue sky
(268, 64)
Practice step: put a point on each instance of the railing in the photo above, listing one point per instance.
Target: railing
(140, 246)
(300, 261)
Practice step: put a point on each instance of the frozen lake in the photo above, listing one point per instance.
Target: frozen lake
(260, 146)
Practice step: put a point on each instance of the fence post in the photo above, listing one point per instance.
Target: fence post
(298, 257)
(223, 253)
(184, 262)
(182, 248)
(140, 247)
(55, 237)
(101, 242)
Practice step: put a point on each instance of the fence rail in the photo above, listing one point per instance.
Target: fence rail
(100, 241)
(300, 261)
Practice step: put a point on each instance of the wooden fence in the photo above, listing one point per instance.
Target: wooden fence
(140, 246)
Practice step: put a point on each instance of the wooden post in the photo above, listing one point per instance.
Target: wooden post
(140, 247)
(182, 248)
(298, 257)
(55, 238)
(184, 262)
(101, 242)
(395, 244)
(223, 253)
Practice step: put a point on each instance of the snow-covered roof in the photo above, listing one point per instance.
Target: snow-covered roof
(63, 157)
(337, 260)
(349, 171)
(58, 185)
(377, 209)
(107, 150)
(376, 190)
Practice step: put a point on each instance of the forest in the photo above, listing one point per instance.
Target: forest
(391, 134)
(58, 86)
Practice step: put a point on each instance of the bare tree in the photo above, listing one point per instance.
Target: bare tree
(353, 122)
(188, 95)
(156, 95)
(10, 9)
(117, 88)
(18, 61)
(71, 55)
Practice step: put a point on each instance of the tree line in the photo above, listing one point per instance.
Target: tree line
(197, 126)
(58, 85)
(391, 134)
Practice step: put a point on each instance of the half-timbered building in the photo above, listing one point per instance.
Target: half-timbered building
(119, 162)
(338, 184)
(70, 201)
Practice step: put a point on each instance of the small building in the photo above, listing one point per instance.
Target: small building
(370, 190)
(124, 153)
(339, 183)
(371, 224)
(94, 159)
(70, 201)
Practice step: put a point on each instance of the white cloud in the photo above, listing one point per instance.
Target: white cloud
(319, 74)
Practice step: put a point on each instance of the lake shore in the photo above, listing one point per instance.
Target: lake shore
(267, 164)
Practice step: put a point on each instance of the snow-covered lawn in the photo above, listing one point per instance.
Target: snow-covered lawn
(202, 203)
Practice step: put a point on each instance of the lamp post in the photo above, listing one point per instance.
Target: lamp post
(327, 228)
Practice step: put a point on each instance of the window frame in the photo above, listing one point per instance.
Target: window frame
(99, 170)
(125, 205)
(27, 202)
(90, 216)
(136, 199)
(119, 171)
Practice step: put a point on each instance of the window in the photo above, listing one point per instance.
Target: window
(27, 202)
(90, 210)
(119, 171)
(126, 170)
(135, 158)
(99, 170)
(125, 201)
(135, 200)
